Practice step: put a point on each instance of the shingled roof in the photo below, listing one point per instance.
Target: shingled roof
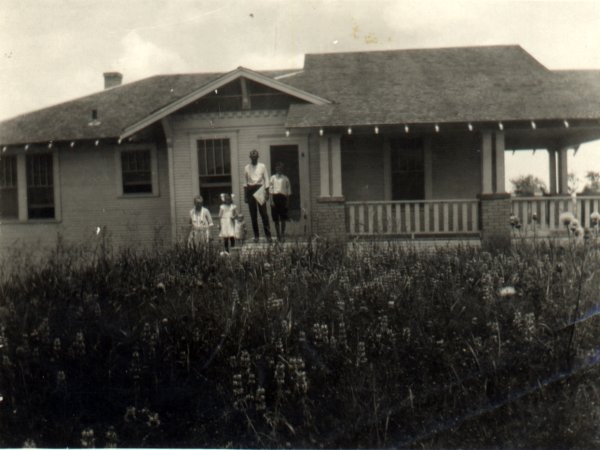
(467, 84)
(116, 109)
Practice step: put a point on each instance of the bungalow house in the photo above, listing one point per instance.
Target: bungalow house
(406, 143)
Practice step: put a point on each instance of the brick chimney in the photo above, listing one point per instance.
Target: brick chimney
(112, 79)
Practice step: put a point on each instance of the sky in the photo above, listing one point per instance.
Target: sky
(56, 50)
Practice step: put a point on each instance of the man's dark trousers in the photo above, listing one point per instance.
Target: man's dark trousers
(253, 205)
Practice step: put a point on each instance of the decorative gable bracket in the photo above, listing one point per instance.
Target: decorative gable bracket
(240, 72)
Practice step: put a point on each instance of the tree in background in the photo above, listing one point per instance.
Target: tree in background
(528, 186)
(593, 183)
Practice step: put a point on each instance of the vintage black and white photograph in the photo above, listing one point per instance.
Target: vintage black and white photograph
(300, 224)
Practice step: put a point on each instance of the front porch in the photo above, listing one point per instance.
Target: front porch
(441, 182)
(413, 219)
(539, 216)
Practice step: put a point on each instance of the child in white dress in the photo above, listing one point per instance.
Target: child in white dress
(227, 215)
(201, 221)
(240, 228)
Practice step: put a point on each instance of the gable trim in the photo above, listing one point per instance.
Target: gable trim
(219, 82)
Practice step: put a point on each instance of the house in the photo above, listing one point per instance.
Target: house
(404, 143)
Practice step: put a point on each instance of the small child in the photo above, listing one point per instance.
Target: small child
(240, 228)
(201, 221)
(227, 215)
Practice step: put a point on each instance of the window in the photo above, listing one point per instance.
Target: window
(136, 170)
(40, 186)
(214, 171)
(9, 206)
(408, 169)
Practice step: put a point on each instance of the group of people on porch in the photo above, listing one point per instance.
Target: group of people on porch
(259, 188)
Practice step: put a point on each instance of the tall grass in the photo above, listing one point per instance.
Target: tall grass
(309, 346)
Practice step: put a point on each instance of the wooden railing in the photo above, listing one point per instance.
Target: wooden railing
(422, 217)
(543, 213)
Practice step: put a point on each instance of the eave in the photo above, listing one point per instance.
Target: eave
(216, 84)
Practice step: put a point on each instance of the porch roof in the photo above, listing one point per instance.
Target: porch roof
(469, 84)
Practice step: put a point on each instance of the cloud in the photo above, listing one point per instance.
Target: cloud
(413, 15)
(140, 57)
(561, 34)
(262, 61)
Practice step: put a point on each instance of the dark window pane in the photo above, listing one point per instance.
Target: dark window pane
(9, 206)
(202, 169)
(214, 170)
(408, 169)
(219, 159)
(137, 188)
(215, 179)
(40, 187)
(137, 172)
(8, 172)
(226, 157)
(210, 158)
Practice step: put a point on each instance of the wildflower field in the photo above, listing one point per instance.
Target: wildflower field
(309, 346)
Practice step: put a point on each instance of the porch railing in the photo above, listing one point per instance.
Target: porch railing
(423, 217)
(543, 213)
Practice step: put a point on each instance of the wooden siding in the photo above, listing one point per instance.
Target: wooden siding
(454, 170)
(246, 130)
(363, 168)
(88, 198)
(456, 166)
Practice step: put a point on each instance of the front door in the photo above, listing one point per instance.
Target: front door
(408, 169)
(293, 156)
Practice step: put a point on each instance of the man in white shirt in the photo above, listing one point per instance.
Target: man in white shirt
(281, 190)
(201, 221)
(257, 177)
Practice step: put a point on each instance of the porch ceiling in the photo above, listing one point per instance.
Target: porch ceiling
(518, 135)
(550, 137)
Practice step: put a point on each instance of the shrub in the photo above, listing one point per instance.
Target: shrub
(308, 346)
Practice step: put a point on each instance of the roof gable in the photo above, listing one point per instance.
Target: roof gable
(117, 109)
(216, 84)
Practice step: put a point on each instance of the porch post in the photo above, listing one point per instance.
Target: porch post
(22, 185)
(494, 202)
(500, 184)
(329, 216)
(168, 130)
(552, 170)
(324, 150)
(563, 171)
(336, 167)
(486, 163)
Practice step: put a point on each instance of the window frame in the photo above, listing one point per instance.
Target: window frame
(38, 184)
(14, 188)
(124, 148)
(218, 156)
(234, 182)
